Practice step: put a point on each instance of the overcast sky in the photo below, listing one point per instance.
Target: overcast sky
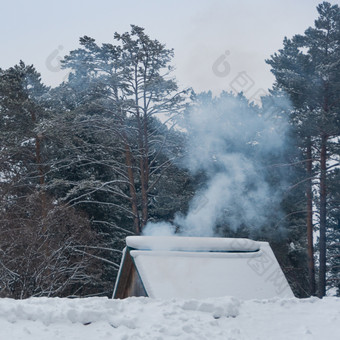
(219, 45)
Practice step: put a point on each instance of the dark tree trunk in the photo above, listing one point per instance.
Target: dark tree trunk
(145, 189)
(38, 160)
(132, 188)
(41, 177)
(309, 194)
(142, 154)
(323, 215)
(143, 164)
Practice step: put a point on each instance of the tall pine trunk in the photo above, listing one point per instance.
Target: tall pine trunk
(132, 188)
(42, 193)
(144, 179)
(309, 194)
(145, 189)
(143, 164)
(323, 215)
(41, 174)
(142, 154)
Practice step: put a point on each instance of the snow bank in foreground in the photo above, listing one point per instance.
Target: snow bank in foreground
(144, 318)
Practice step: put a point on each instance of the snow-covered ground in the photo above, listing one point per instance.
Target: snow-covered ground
(144, 318)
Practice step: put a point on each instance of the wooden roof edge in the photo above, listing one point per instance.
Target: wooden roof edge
(126, 266)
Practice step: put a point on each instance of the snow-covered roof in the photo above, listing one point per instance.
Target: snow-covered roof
(199, 267)
(210, 244)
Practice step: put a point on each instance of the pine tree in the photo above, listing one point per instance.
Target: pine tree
(307, 69)
(43, 242)
(130, 84)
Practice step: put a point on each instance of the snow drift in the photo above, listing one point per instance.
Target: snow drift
(145, 318)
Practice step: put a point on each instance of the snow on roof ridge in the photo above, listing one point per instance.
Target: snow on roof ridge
(184, 243)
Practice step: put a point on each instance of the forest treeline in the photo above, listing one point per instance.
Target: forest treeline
(91, 161)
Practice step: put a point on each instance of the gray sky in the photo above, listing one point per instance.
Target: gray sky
(214, 41)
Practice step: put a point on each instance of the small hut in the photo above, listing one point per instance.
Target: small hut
(199, 267)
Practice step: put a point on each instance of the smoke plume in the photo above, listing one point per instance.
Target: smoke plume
(233, 144)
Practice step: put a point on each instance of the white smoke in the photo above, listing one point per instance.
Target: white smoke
(233, 144)
(159, 229)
